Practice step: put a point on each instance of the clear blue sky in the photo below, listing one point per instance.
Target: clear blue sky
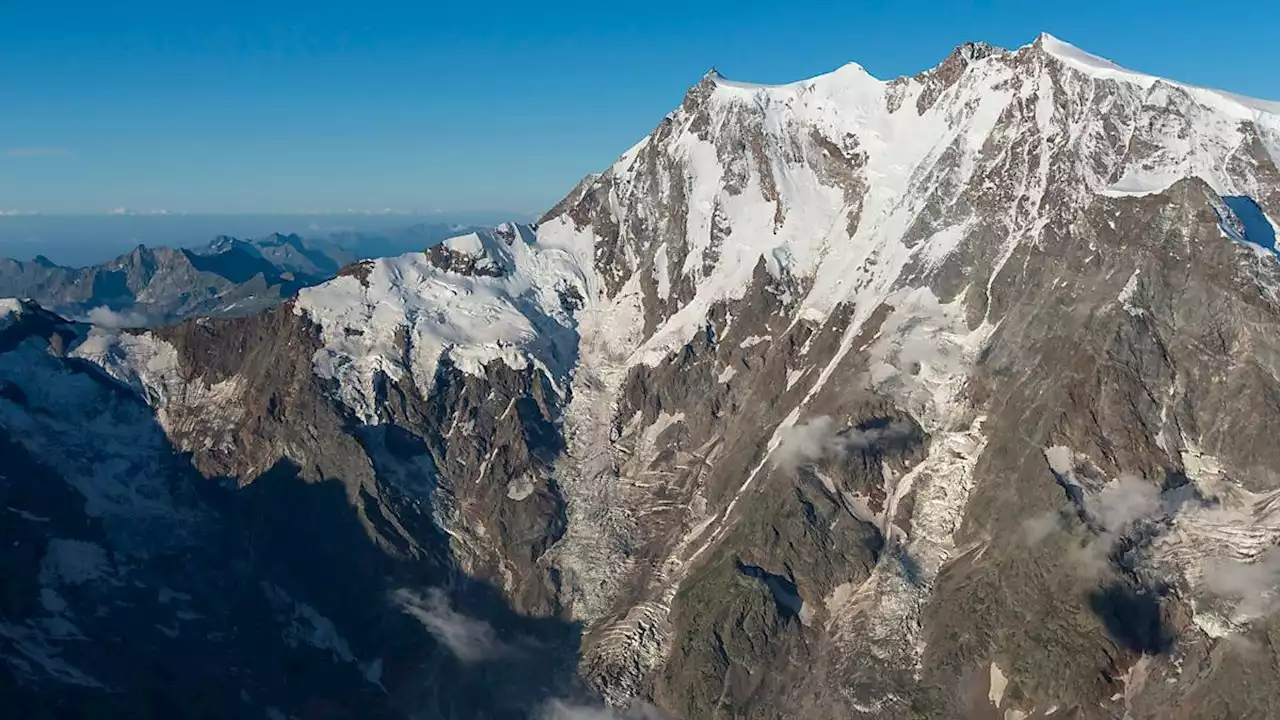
(286, 106)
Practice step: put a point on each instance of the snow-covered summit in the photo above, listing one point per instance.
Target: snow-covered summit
(483, 252)
(1104, 69)
(403, 316)
(1076, 58)
(852, 184)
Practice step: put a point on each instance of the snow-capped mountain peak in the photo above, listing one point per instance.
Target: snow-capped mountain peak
(875, 164)
(1104, 69)
(495, 295)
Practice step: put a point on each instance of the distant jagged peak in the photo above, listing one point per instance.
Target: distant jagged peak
(224, 243)
(277, 238)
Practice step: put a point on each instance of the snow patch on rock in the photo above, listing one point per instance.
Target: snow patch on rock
(74, 562)
(109, 449)
(1129, 294)
(10, 311)
(998, 683)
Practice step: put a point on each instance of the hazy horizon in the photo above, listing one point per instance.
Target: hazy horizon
(79, 239)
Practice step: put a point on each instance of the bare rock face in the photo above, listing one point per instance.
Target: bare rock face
(943, 397)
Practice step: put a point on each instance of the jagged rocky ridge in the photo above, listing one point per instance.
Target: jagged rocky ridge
(947, 396)
(155, 286)
(227, 277)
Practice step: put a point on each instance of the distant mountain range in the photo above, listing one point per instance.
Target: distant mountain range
(227, 277)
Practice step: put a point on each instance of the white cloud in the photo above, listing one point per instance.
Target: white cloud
(469, 639)
(105, 317)
(1124, 502)
(1114, 511)
(1253, 584)
(562, 710)
(1092, 558)
(819, 438)
(1039, 527)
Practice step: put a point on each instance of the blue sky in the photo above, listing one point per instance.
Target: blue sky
(288, 106)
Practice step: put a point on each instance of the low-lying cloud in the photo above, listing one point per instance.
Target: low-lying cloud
(105, 317)
(1254, 585)
(1128, 504)
(562, 710)
(821, 438)
(1123, 503)
(1112, 511)
(469, 639)
(1037, 528)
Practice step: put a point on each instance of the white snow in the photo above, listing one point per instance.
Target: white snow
(944, 243)
(307, 625)
(1207, 128)
(10, 309)
(188, 409)
(73, 562)
(1104, 69)
(488, 252)
(409, 316)
(1129, 293)
(30, 517)
(793, 376)
(899, 147)
(468, 244)
(521, 488)
(998, 683)
(110, 451)
(661, 273)
(141, 361)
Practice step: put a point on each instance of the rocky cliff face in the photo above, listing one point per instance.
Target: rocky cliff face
(940, 397)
